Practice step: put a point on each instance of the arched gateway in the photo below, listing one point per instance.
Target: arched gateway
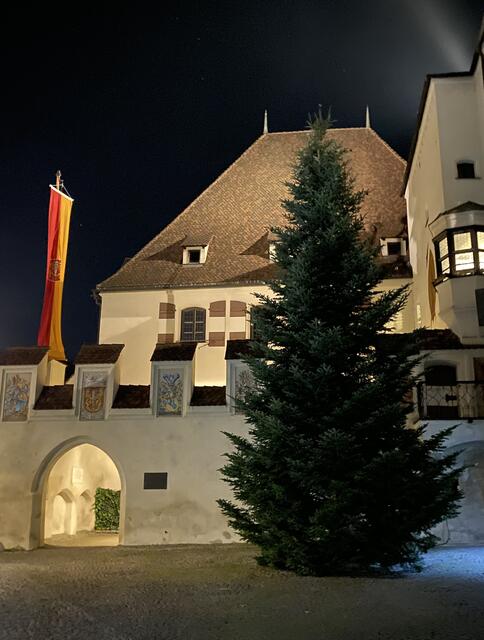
(63, 492)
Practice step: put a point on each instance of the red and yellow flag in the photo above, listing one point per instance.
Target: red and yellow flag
(50, 322)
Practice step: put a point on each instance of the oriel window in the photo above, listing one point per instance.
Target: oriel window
(460, 252)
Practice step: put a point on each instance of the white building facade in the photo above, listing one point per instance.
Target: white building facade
(444, 190)
(145, 411)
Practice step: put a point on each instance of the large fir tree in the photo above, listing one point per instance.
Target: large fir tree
(331, 480)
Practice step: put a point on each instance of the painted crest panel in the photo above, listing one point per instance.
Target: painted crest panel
(16, 397)
(169, 399)
(93, 395)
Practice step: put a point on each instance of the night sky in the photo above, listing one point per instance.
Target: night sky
(141, 111)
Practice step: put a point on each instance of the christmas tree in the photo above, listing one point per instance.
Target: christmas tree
(331, 479)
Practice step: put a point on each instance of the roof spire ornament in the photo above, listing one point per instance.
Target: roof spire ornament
(368, 123)
(266, 126)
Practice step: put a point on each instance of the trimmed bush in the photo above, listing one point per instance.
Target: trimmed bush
(106, 509)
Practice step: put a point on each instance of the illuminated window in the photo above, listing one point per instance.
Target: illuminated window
(193, 325)
(463, 254)
(460, 252)
(465, 170)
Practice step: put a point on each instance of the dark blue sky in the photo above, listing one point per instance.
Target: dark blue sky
(143, 110)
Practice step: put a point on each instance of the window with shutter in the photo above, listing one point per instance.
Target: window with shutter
(193, 325)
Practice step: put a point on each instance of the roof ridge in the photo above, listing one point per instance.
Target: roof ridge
(281, 133)
(188, 208)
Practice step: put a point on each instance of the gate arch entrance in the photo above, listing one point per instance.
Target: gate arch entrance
(63, 494)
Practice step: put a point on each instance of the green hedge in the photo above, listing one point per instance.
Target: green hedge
(106, 509)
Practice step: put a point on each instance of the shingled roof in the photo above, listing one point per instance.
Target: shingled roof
(239, 208)
(99, 353)
(22, 355)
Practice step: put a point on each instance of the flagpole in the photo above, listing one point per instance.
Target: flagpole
(58, 179)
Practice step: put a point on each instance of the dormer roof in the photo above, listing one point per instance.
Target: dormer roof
(23, 356)
(98, 354)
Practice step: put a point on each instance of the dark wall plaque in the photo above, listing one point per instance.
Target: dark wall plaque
(155, 481)
(480, 306)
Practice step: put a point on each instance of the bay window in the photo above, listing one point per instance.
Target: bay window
(460, 252)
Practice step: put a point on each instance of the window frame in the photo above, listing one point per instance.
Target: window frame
(453, 272)
(193, 334)
(202, 249)
(384, 246)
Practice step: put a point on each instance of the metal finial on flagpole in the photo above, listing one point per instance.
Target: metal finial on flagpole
(266, 126)
(368, 124)
(58, 179)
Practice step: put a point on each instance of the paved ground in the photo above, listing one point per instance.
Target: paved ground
(84, 539)
(218, 592)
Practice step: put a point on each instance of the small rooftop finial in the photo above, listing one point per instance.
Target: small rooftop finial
(266, 126)
(368, 123)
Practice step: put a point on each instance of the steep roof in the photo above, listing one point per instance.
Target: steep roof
(239, 208)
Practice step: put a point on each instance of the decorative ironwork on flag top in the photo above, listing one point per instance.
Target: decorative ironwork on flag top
(50, 330)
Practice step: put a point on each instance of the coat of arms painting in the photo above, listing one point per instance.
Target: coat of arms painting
(16, 397)
(170, 393)
(93, 395)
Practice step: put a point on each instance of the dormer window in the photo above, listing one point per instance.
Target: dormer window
(393, 247)
(465, 170)
(273, 239)
(195, 249)
(272, 251)
(194, 256)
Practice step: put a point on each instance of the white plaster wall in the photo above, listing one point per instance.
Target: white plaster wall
(452, 130)
(425, 200)
(131, 318)
(98, 470)
(467, 439)
(404, 322)
(189, 449)
(479, 89)
(461, 137)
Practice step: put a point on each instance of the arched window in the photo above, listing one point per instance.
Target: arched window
(193, 325)
(465, 170)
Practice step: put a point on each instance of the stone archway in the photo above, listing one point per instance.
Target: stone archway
(63, 516)
(468, 526)
(85, 511)
(63, 493)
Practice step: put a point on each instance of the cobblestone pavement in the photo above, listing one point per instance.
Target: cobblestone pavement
(219, 592)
